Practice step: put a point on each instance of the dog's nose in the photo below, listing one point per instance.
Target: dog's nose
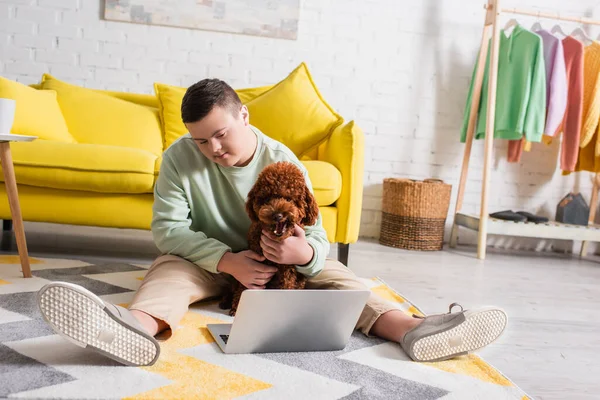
(278, 217)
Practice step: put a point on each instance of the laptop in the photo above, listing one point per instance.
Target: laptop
(271, 321)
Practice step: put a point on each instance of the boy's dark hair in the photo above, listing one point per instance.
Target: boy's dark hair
(203, 96)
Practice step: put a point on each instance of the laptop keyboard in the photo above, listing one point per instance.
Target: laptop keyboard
(225, 338)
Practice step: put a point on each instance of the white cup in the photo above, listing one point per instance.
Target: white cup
(7, 115)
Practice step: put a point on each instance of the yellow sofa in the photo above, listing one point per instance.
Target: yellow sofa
(106, 179)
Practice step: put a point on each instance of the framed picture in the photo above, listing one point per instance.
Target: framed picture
(270, 18)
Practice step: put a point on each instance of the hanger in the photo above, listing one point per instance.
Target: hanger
(557, 29)
(510, 24)
(583, 36)
(536, 26)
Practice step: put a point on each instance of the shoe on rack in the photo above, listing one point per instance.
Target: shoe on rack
(443, 336)
(86, 320)
(509, 215)
(533, 218)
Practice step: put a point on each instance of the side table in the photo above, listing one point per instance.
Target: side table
(13, 196)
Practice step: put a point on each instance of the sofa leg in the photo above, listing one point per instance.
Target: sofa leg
(6, 238)
(343, 249)
(7, 225)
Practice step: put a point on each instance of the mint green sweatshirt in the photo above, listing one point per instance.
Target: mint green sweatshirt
(521, 89)
(199, 206)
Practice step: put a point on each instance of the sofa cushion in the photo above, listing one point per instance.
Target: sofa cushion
(294, 113)
(148, 100)
(249, 94)
(169, 102)
(36, 113)
(98, 118)
(115, 210)
(143, 99)
(326, 181)
(84, 167)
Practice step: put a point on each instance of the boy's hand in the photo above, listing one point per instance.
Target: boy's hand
(294, 250)
(245, 266)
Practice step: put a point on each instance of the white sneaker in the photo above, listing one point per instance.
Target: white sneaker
(443, 336)
(86, 320)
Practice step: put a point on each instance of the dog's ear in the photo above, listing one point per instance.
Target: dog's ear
(250, 205)
(312, 209)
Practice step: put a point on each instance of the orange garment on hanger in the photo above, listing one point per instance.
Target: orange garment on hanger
(571, 125)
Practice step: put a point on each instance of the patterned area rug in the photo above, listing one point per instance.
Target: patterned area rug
(35, 363)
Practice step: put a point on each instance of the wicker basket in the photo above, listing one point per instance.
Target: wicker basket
(414, 213)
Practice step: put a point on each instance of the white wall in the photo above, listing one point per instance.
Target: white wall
(400, 68)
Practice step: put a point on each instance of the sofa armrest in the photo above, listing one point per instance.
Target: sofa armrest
(345, 150)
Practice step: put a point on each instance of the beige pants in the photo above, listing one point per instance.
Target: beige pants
(173, 283)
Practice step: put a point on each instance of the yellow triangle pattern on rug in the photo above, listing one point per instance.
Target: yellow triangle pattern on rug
(193, 378)
(473, 366)
(384, 291)
(14, 259)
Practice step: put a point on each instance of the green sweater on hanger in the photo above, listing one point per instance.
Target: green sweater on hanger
(521, 89)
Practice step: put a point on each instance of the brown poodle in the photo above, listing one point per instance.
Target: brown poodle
(278, 200)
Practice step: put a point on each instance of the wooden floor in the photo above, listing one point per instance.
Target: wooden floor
(551, 348)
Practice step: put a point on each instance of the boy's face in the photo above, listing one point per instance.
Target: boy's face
(222, 136)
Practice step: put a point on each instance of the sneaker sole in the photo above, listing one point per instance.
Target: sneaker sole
(81, 317)
(479, 329)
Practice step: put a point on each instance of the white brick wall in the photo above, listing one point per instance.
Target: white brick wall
(400, 68)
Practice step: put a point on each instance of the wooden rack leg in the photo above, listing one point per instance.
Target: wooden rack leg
(475, 99)
(489, 130)
(592, 217)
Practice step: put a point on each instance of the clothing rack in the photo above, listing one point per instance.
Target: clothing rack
(484, 224)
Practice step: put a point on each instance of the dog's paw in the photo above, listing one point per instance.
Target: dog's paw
(226, 301)
(224, 305)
